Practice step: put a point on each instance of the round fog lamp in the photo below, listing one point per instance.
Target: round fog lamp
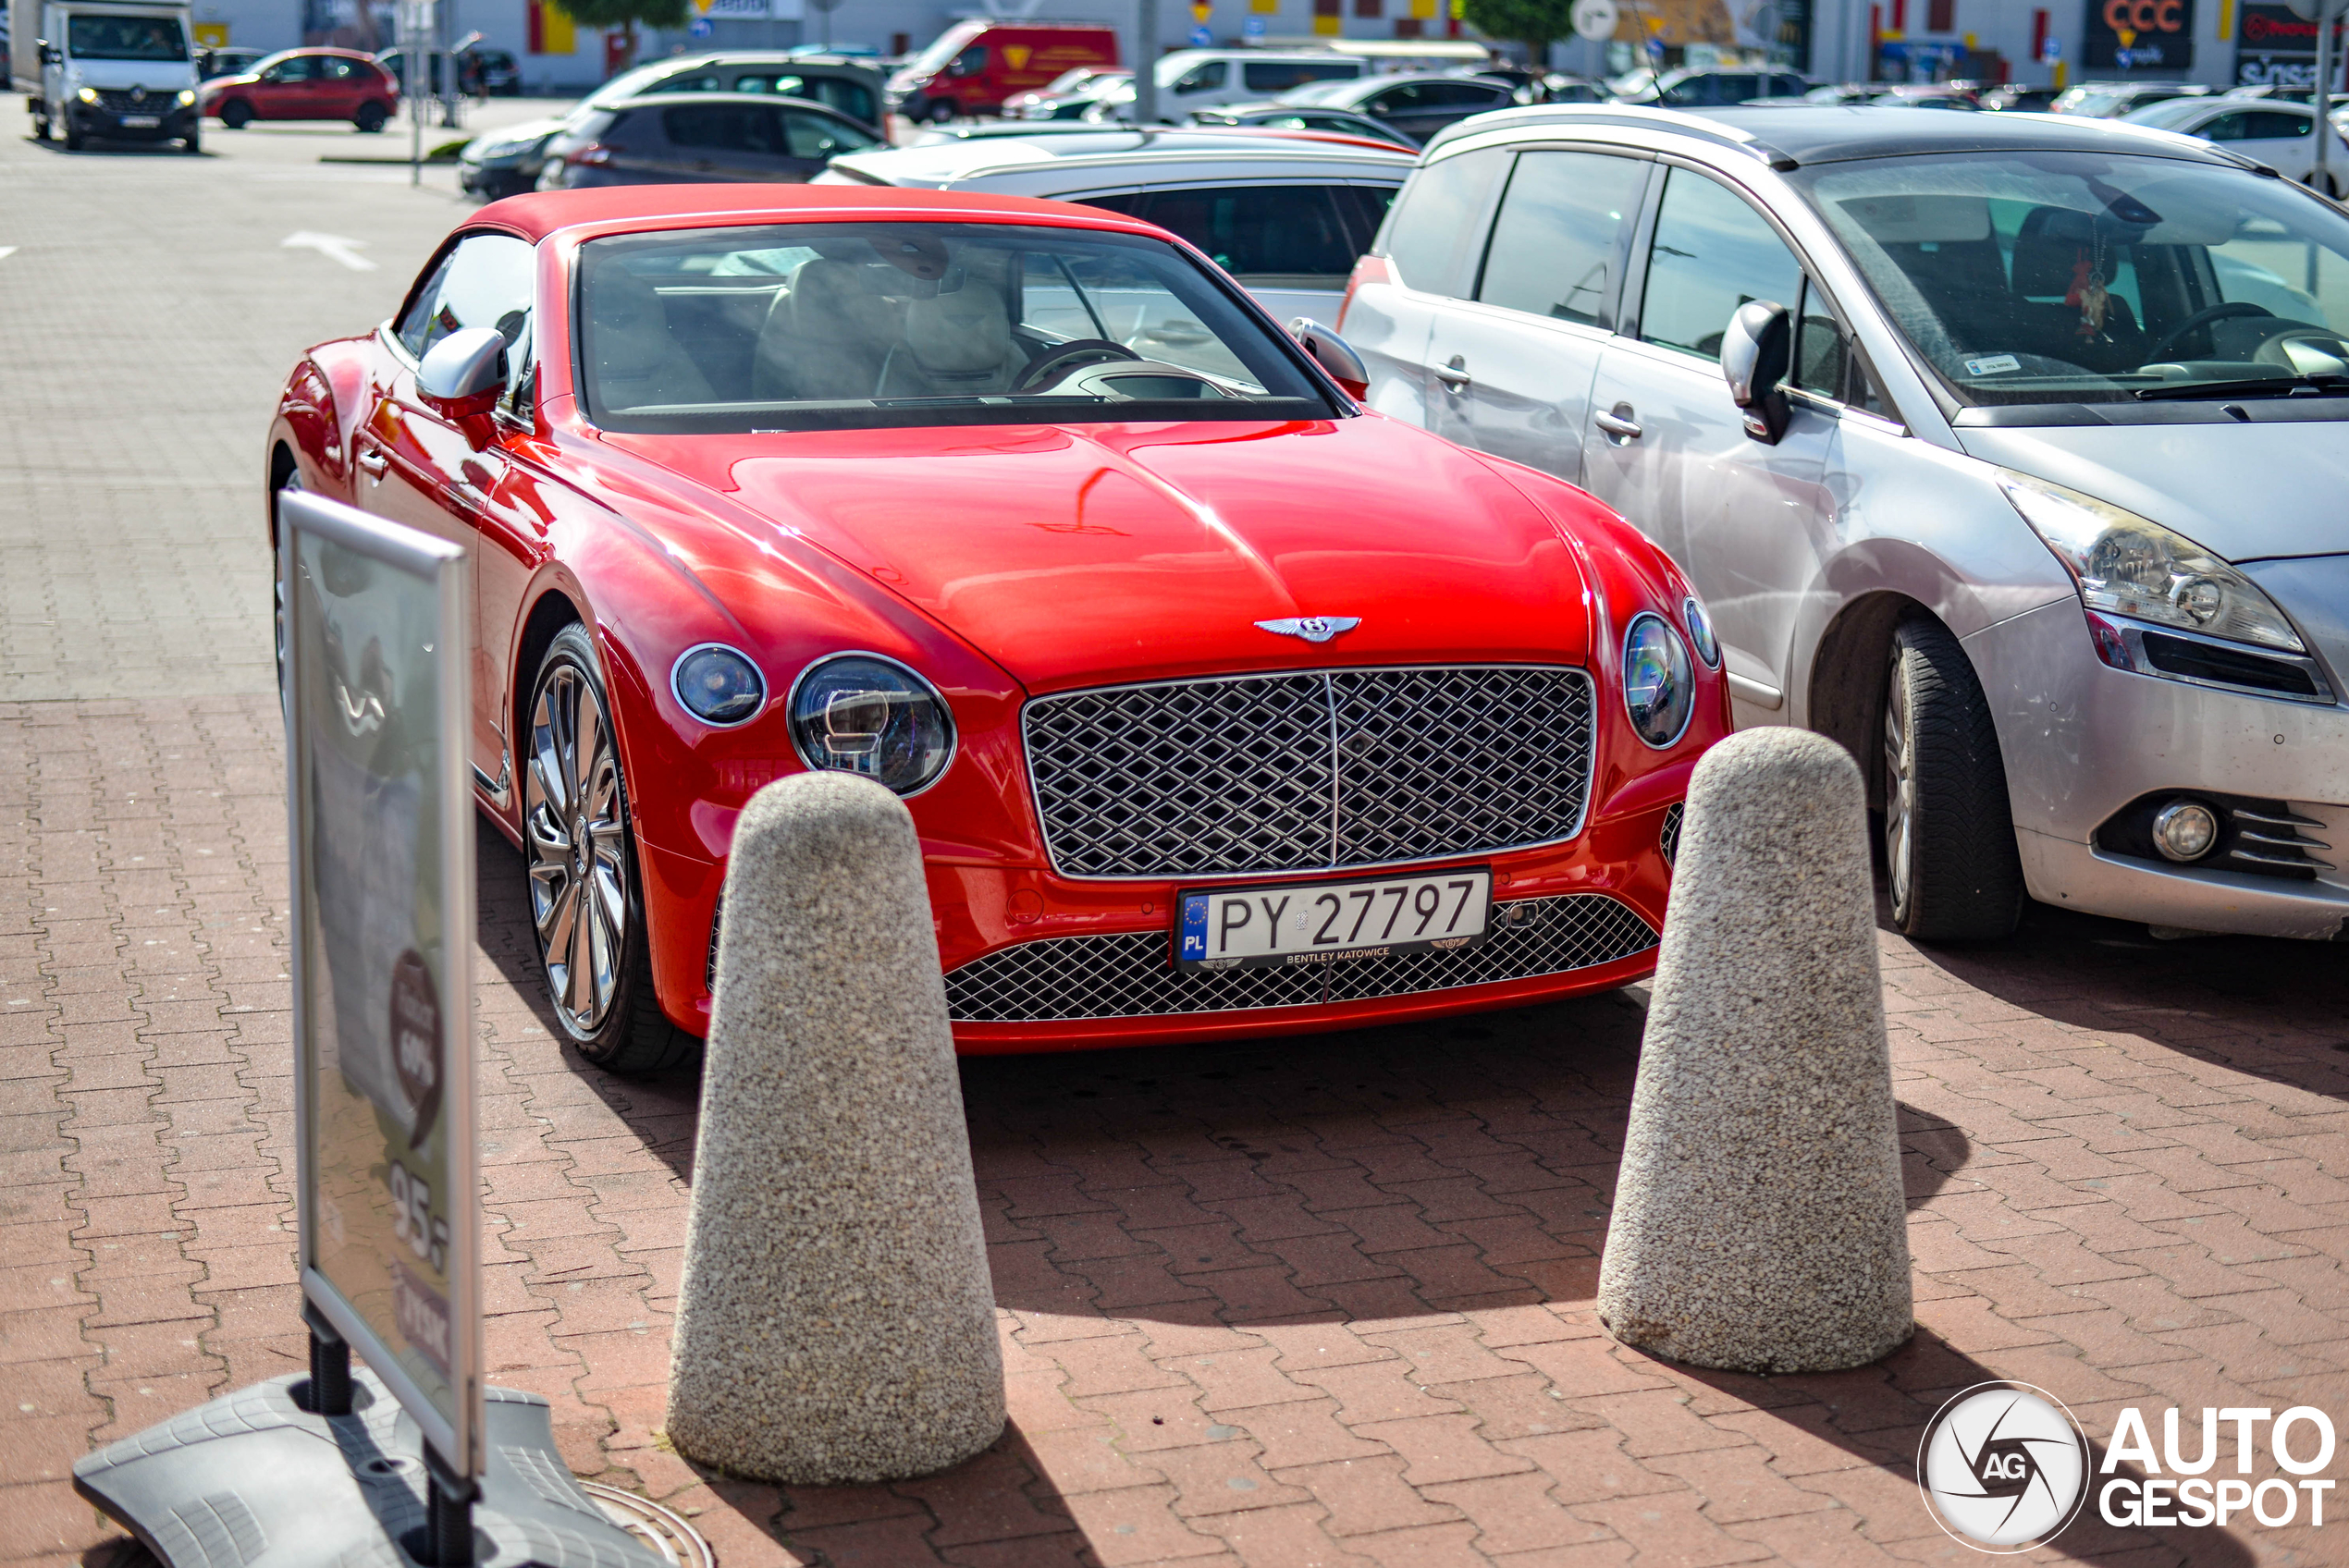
(717, 685)
(2185, 831)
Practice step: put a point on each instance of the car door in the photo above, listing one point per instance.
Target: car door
(1514, 359)
(1425, 257)
(1286, 243)
(416, 467)
(287, 91)
(1669, 450)
(2280, 140)
(339, 85)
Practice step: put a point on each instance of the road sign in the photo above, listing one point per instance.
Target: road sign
(700, 27)
(1595, 19)
(1252, 30)
(2317, 10)
(1202, 37)
(376, 623)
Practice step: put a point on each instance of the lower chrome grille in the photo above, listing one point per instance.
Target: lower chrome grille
(1131, 975)
(1669, 839)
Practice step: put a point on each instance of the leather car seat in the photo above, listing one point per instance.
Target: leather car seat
(826, 336)
(957, 342)
(633, 359)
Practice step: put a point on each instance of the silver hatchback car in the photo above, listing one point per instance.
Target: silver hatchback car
(2012, 451)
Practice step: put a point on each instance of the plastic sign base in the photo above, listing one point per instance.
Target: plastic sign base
(253, 1480)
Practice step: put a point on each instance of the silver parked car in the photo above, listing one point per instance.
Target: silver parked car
(1285, 213)
(2008, 450)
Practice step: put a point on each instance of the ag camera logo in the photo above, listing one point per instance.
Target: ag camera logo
(2004, 1467)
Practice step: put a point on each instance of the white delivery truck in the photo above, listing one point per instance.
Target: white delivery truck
(113, 71)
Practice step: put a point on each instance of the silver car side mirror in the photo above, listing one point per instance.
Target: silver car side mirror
(1756, 354)
(464, 372)
(1334, 354)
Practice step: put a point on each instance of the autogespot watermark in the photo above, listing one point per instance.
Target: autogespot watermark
(2004, 1468)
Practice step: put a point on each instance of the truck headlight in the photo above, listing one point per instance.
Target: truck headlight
(2126, 565)
(88, 95)
(187, 96)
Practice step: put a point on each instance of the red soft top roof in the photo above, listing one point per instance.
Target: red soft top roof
(619, 208)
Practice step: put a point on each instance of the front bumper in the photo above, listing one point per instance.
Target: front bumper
(2082, 740)
(1035, 962)
(112, 125)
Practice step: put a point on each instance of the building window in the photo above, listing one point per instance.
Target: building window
(1941, 16)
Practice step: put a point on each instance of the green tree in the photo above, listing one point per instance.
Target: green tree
(1534, 23)
(603, 15)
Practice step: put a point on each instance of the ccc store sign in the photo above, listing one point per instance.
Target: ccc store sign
(2126, 36)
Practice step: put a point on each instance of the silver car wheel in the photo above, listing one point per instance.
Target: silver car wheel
(1899, 783)
(575, 823)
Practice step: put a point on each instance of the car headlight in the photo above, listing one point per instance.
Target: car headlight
(1708, 647)
(860, 713)
(1659, 684)
(187, 96)
(717, 685)
(2126, 565)
(88, 95)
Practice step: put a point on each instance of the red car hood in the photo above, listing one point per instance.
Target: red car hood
(1086, 555)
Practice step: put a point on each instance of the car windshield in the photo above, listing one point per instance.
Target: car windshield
(2169, 114)
(1321, 92)
(864, 325)
(2072, 277)
(124, 38)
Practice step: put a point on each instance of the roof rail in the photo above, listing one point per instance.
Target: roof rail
(1633, 115)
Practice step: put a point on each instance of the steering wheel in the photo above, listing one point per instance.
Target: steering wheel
(1068, 355)
(2204, 318)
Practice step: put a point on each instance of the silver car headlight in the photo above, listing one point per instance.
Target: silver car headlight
(1659, 684)
(2126, 565)
(861, 713)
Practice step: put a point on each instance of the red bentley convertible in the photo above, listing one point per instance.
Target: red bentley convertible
(1223, 705)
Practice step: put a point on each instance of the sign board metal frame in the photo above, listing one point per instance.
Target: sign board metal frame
(454, 1434)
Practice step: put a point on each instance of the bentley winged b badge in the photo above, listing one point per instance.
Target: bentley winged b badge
(1312, 628)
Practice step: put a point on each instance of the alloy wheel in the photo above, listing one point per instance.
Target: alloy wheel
(575, 820)
(1899, 783)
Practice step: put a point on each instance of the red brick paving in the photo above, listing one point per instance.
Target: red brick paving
(1317, 1302)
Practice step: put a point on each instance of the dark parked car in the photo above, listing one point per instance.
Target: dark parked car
(674, 139)
(507, 162)
(1418, 107)
(1691, 89)
(1289, 117)
(305, 84)
(481, 73)
(225, 61)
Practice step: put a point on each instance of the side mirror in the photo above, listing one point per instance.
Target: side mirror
(462, 374)
(1334, 354)
(1756, 353)
(45, 51)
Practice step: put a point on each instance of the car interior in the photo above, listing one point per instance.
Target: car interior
(2039, 281)
(866, 323)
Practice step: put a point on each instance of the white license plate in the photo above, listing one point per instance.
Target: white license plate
(1329, 922)
(141, 122)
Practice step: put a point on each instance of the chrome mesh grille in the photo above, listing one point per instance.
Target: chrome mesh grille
(1132, 976)
(1669, 839)
(1308, 772)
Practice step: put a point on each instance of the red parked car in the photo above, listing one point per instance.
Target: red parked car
(305, 84)
(1225, 706)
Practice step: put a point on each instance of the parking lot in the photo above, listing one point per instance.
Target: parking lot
(1322, 1301)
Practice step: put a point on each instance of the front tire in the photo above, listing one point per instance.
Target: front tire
(236, 115)
(370, 118)
(1948, 834)
(194, 144)
(586, 900)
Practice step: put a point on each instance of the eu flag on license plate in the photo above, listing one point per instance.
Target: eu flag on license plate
(1193, 928)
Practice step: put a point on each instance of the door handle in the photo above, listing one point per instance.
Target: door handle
(1454, 374)
(1618, 424)
(375, 463)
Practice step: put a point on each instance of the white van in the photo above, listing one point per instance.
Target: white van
(117, 72)
(1201, 79)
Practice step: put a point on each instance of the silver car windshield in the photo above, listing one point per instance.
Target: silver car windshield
(826, 325)
(2072, 277)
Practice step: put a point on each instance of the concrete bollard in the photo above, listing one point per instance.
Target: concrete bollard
(836, 1321)
(1760, 1223)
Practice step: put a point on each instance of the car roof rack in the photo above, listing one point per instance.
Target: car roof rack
(1624, 115)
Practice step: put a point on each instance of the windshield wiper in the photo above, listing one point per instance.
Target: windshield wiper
(2327, 386)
